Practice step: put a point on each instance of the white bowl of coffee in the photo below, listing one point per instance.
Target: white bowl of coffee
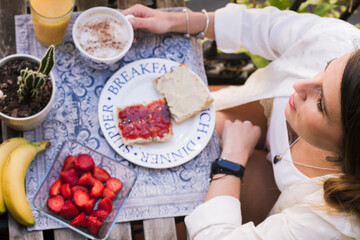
(102, 36)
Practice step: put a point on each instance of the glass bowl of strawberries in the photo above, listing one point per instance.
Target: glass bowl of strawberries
(84, 190)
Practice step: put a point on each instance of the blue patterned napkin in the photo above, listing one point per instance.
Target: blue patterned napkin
(157, 193)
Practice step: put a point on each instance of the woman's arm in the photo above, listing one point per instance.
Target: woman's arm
(156, 21)
(239, 140)
(300, 214)
(268, 32)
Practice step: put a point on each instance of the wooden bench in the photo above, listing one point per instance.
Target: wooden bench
(164, 228)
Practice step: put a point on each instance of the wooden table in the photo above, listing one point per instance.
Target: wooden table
(164, 228)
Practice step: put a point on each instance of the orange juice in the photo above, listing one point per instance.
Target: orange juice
(50, 19)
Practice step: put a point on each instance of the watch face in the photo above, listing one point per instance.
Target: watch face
(229, 165)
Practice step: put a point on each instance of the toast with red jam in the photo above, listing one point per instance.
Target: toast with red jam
(142, 123)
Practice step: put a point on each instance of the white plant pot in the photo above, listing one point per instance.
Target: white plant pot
(28, 123)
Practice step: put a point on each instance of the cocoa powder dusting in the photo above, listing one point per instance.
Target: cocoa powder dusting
(103, 37)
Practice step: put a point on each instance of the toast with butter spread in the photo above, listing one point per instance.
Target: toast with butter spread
(185, 94)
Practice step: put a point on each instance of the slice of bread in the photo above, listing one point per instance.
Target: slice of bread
(185, 94)
(143, 123)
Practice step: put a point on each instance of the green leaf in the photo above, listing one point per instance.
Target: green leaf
(316, 2)
(29, 81)
(47, 62)
(242, 2)
(40, 83)
(281, 4)
(335, 13)
(304, 7)
(322, 9)
(21, 93)
(259, 61)
(20, 80)
(34, 93)
(23, 75)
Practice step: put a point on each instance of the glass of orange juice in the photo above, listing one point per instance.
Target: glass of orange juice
(50, 19)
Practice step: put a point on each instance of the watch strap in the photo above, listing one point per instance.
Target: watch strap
(223, 166)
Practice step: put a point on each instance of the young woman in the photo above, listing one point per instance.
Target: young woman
(304, 106)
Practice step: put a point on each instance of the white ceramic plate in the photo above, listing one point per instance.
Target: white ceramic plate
(132, 84)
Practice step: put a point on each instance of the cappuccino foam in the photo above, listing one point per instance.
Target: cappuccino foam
(102, 35)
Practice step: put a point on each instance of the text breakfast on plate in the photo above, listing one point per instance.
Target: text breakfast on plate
(135, 84)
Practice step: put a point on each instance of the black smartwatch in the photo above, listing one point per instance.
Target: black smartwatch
(223, 166)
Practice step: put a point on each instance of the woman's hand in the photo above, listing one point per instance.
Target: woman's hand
(148, 19)
(239, 140)
(156, 21)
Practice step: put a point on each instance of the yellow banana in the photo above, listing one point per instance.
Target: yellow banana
(13, 180)
(5, 149)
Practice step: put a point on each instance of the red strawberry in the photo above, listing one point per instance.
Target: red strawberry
(76, 187)
(89, 205)
(84, 162)
(70, 177)
(106, 204)
(97, 189)
(55, 204)
(65, 190)
(107, 192)
(86, 179)
(114, 184)
(101, 214)
(69, 163)
(79, 220)
(80, 197)
(93, 224)
(69, 210)
(101, 174)
(55, 188)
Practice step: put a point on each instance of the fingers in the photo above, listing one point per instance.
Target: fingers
(246, 122)
(147, 19)
(140, 23)
(244, 132)
(239, 140)
(137, 10)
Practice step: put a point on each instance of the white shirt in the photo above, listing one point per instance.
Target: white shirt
(300, 47)
(285, 172)
(299, 213)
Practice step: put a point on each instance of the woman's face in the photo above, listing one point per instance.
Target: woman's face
(314, 111)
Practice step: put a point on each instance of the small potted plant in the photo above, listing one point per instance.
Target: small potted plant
(27, 89)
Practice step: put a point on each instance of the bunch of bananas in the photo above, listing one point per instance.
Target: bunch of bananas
(15, 156)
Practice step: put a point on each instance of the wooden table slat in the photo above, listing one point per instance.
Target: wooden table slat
(8, 9)
(120, 231)
(20, 232)
(161, 228)
(86, 4)
(170, 3)
(66, 234)
(123, 4)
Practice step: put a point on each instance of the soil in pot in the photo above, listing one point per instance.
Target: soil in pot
(9, 103)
